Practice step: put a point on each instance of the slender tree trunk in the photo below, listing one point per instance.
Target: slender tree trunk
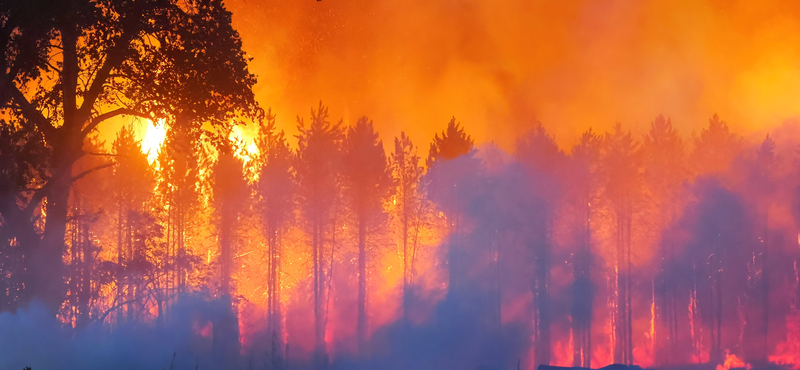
(120, 257)
(362, 286)
(319, 294)
(619, 332)
(541, 295)
(765, 275)
(406, 293)
(583, 296)
(629, 279)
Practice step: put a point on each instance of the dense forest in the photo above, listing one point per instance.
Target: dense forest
(329, 249)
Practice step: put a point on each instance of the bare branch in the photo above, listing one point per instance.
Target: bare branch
(93, 169)
(108, 115)
(114, 307)
(103, 154)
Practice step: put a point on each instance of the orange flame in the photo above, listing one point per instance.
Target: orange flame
(733, 362)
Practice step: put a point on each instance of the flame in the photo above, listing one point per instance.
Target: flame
(241, 135)
(563, 353)
(733, 362)
(788, 351)
(153, 138)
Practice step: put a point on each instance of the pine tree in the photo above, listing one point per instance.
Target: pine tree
(274, 191)
(85, 278)
(407, 174)
(368, 183)
(583, 188)
(230, 194)
(451, 162)
(540, 155)
(621, 164)
(318, 178)
(132, 184)
(715, 148)
(178, 187)
(664, 171)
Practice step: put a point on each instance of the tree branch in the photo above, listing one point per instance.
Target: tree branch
(108, 115)
(103, 154)
(37, 197)
(29, 110)
(114, 57)
(84, 173)
(112, 308)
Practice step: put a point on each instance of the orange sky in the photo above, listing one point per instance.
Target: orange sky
(499, 65)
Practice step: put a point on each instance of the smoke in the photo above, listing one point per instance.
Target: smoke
(31, 337)
(498, 66)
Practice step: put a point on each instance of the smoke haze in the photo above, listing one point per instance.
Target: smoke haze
(500, 65)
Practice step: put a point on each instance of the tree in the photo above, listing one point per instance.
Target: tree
(87, 273)
(664, 171)
(719, 225)
(451, 162)
(230, 194)
(368, 183)
(407, 174)
(542, 159)
(583, 188)
(715, 148)
(762, 187)
(318, 179)
(274, 190)
(69, 66)
(178, 187)
(621, 166)
(23, 170)
(132, 183)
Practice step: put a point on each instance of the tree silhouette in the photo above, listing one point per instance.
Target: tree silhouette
(664, 170)
(86, 271)
(230, 194)
(621, 166)
(152, 58)
(274, 192)
(318, 178)
(23, 170)
(583, 189)
(762, 187)
(453, 143)
(368, 183)
(179, 161)
(540, 155)
(131, 184)
(407, 174)
(451, 164)
(715, 148)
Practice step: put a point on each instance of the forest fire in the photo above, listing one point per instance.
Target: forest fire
(161, 208)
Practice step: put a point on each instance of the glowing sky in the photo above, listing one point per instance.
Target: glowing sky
(498, 65)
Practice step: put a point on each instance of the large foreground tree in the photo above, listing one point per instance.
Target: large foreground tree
(68, 66)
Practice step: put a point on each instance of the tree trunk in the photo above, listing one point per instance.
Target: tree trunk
(46, 265)
(406, 293)
(362, 286)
